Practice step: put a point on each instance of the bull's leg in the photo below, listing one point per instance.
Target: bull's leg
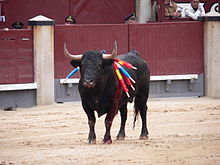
(91, 122)
(140, 106)
(110, 115)
(92, 135)
(144, 131)
(121, 133)
(108, 123)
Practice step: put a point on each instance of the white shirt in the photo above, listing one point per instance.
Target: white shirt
(190, 12)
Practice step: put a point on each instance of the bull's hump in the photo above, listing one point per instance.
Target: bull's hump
(92, 54)
(134, 52)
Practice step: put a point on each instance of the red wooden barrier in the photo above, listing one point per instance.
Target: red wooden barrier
(16, 56)
(169, 48)
(81, 38)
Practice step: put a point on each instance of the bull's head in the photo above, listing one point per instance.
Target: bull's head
(92, 65)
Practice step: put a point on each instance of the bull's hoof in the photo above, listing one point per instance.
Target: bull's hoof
(120, 137)
(109, 141)
(92, 141)
(145, 137)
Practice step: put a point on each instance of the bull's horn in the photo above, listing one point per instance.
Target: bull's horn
(70, 56)
(113, 55)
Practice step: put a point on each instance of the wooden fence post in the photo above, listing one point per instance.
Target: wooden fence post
(43, 58)
(212, 54)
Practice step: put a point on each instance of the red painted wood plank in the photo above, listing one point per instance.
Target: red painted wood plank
(81, 38)
(16, 56)
(169, 48)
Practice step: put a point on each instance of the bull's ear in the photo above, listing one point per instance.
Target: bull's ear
(75, 63)
(107, 63)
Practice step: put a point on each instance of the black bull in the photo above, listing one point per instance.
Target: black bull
(101, 91)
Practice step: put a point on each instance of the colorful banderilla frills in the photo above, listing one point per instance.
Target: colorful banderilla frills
(124, 63)
(120, 78)
(118, 66)
(71, 73)
(119, 69)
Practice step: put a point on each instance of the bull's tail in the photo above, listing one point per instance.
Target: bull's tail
(140, 106)
(136, 113)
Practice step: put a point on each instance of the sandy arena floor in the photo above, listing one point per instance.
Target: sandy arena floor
(184, 131)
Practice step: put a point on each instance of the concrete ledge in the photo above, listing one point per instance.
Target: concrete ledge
(174, 77)
(70, 81)
(187, 85)
(17, 98)
(12, 87)
(211, 16)
(152, 78)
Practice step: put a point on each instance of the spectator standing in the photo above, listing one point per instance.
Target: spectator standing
(70, 20)
(195, 10)
(131, 19)
(171, 9)
(17, 25)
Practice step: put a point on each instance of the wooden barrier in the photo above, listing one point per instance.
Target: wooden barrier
(81, 38)
(16, 56)
(172, 48)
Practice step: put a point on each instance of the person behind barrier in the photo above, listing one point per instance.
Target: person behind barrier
(131, 19)
(70, 20)
(195, 10)
(17, 25)
(171, 9)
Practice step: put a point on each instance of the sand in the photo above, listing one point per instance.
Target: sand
(183, 131)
